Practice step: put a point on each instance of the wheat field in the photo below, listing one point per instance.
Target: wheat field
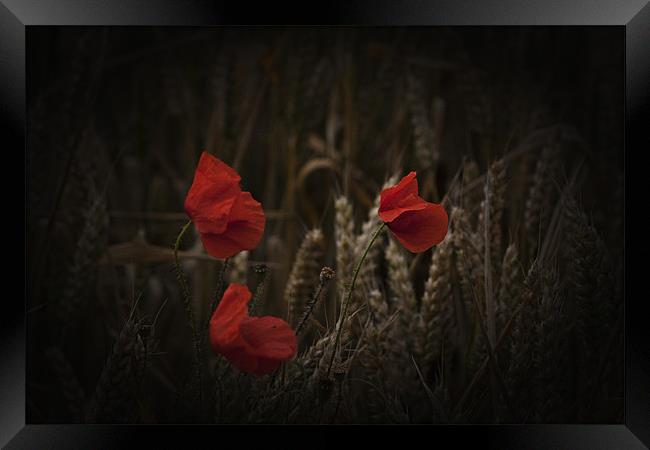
(516, 317)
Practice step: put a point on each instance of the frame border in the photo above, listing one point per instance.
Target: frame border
(634, 15)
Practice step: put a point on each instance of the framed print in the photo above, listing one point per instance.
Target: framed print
(407, 218)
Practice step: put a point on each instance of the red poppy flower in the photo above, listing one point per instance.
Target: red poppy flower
(228, 220)
(416, 223)
(256, 345)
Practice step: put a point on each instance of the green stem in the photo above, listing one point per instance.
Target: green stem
(181, 277)
(187, 302)
(218, 293)
(309, 309)
(255, 305)
(220, 282)
(344, 309)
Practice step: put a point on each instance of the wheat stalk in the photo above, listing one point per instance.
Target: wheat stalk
(88, 247)
(470, 197)
(538, 209)
(436, 310)
(345, 242)
(510, 282)
(367, 279)
(550, 353)
(113, 394)
(401, 287)
(304, 276)
(591, 290)
(469, 261)
(491, 212)
(522, 341)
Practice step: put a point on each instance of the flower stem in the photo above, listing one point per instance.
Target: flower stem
(218, 293)
(309, 309)
(255, 305)
(216, 298)
(182, 280)
(187, 302)
(344, 308)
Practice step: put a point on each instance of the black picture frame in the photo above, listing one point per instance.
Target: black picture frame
(17, 15)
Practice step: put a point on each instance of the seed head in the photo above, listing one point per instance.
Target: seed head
(327, 274)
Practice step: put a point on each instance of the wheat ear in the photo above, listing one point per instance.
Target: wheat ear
(114, 391)
(401, 287)
(303, 278)
(345, 241)
(436, 309)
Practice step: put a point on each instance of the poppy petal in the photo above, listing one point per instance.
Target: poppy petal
(410, 203)
(271, 337)
(216, 170)
(420, 230)
(255, 345)
(227, 318)
(243, 232)
(240, 356)
(212, 195)
(408, 185)
(247, 213)
(400, 198)
(225, 324)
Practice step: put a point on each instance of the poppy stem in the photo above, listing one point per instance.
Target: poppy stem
(221, 281)
(253, 307)
(181, 276)
(187, 302)
(218, 293)
(326, 274)
(344, 309)
(310, 307)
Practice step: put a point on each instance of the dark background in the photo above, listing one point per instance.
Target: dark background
(122, 114)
